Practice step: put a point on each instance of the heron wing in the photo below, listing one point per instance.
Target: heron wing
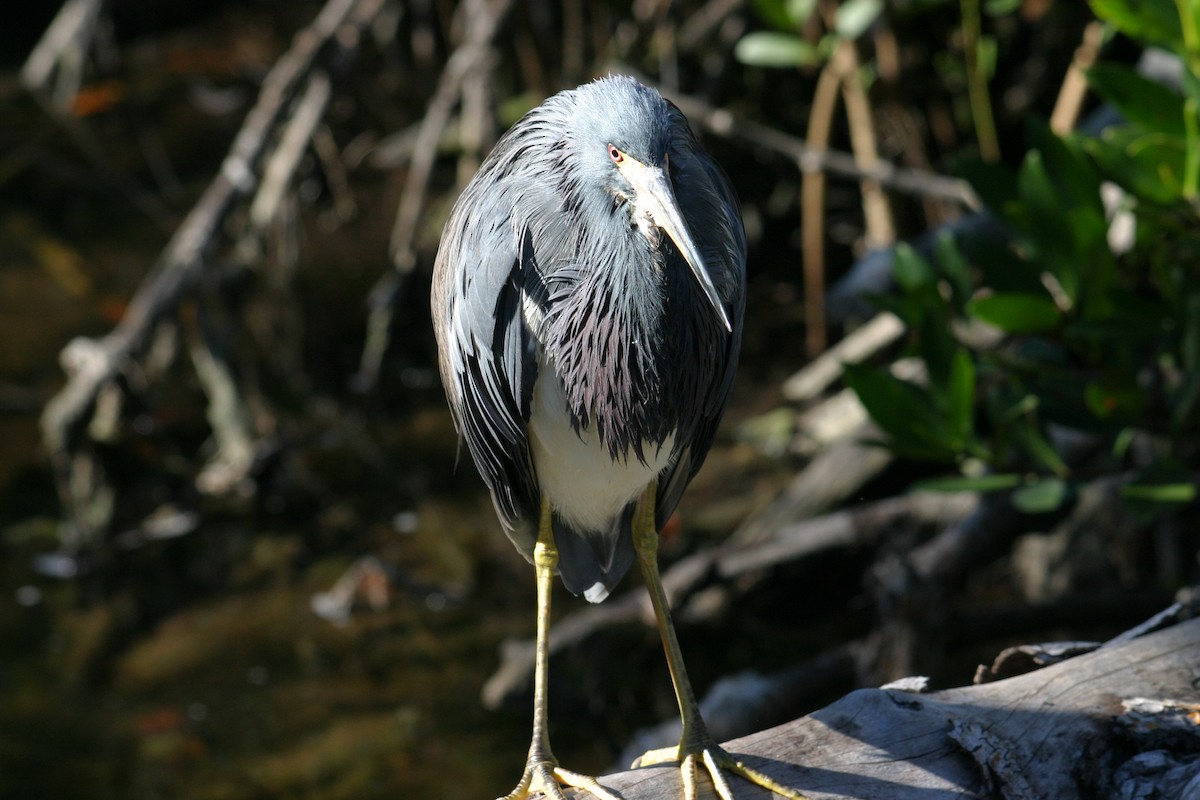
(711, 208)
(487, 354)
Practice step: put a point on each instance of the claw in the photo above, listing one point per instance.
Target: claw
(716, 763)
(662, 755)
(546, 777)
(585, 782)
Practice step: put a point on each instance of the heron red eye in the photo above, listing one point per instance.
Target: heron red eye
(616, 155)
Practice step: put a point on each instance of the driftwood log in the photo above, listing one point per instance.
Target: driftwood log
(1120, 722)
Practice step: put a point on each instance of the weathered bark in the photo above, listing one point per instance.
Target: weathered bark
(1062, 732)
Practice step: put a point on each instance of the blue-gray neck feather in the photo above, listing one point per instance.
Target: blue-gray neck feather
(622, 313)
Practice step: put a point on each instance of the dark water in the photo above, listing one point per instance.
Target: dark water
(195, 666)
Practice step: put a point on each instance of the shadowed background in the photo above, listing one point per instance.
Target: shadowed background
(250, 568)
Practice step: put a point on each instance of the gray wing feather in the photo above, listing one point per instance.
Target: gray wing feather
(487, 270)
(712, 210)
(487, 358)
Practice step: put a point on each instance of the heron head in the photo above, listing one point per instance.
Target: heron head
(624, 145)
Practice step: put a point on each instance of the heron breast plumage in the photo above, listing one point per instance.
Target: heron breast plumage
(588, 487)
(582, 358)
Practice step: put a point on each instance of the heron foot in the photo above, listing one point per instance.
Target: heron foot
(548, 778)
(716, 761)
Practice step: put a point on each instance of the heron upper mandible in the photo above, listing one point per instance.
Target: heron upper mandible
(588, 299)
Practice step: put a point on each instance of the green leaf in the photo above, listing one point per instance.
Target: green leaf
(1162, 487)
(1063, 218)
(936, 344)
(1014, 405)
(1184, 397)
(1029, 437)
(799, 11)
(961, 396)
(1141, 100)
(1129, 320)
(916, 8)
(986, 56)
(994, 183)
(904, 411)
(1148, 165)
(1045, 220)
(964, 483)
(1165, 493)
(1002, 268)
(769, 49)
(909, 268)
(1040, 496)
(1115, 397)
(1069, 169)
(889, 302)
(998, 8)
(953, 265)
(1150, 21)
(855, 16)
(1017, 312)
(1191, 81)
(774, 13)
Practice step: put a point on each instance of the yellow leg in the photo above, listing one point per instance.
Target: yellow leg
(696, 746)
(542, 772)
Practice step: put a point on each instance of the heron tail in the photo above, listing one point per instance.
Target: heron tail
(592, 563)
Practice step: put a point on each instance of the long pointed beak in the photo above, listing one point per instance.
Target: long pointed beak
(657, 198)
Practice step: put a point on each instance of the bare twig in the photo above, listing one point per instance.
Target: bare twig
(977, 83)
(477, 120)
(843, 68)
(1074, 87)
(881, 230)
(334, 166)
(722, 122)
(830, 478)
(921, 183)
(827, 423)
(53, 74)
(293, 143)
(64, 45)
(883, 329)
(812, 210)
(699, 26)
(911, 591)
(389, 152)
(95, 364)
(861, 526)
(483, 19)
(228, 418)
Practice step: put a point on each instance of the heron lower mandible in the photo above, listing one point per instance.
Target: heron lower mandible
(588, 299)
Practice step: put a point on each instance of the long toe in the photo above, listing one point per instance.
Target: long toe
(547, 778)
(718, 763)
(663, 755)
(585, 782)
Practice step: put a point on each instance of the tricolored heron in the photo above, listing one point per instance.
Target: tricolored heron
(587, 299)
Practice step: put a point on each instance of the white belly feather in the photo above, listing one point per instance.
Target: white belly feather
(585, 486)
